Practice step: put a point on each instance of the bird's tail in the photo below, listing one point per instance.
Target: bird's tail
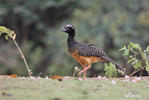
(120, 69)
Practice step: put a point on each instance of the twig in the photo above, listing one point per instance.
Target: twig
(136, 71)
(74, 74)
(29, 71)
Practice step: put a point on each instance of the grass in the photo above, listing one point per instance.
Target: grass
(69, 89)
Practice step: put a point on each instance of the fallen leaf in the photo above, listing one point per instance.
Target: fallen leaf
(104, 77)
(32, 77)
(127, 77)
(6, 94)
(99, 77)
(60, 79)
(57, 77)
(47, 77)
(67, 77)
(126, 80)
(136, 79)
(113, 82)
(85, 78)
(13, 75)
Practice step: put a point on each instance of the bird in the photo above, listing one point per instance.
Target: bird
(86, 54)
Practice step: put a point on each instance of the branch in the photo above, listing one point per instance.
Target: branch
(22, 56)
(136, 71)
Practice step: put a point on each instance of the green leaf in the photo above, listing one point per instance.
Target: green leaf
(138, 65)
(126, 52)
(8, 32)
(124, 48)
(110, 69)
(135, 46)
(6, 37)
(130, 56)
(130, 48)
(131, 60)
(147, 66)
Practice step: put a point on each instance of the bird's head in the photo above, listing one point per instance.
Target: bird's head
(70, 29)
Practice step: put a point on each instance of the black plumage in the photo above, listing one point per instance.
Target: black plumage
(90, 50)
(86, 53)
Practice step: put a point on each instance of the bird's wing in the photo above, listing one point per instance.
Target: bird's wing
(90, 50)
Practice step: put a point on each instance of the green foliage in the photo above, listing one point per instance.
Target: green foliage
(137, 57)
(8, 32)
(38, 24)
(147, 66)
(110, 69)
(11, 34)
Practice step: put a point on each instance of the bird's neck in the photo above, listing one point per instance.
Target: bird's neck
(70, 38)
(71, 41)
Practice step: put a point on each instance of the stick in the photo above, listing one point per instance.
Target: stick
(136, 71)
(22, 56)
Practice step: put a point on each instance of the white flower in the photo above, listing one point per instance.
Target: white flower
(76, 68)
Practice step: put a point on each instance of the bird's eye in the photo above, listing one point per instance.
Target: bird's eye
(67, 28)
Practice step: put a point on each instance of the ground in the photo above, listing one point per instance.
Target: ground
(70, 89)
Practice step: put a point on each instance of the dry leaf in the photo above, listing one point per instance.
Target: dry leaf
(47, 77)
(13, 75)
(113, 82)
(127, 77)
(136, 79)
(6, 94)
(67, 77)
(57, 77)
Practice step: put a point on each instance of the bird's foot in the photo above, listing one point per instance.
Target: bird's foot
(80, 73)
(84, 70)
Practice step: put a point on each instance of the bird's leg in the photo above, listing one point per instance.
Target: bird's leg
(84, 74)
(81, 73)
(83, 65)
(84, 70)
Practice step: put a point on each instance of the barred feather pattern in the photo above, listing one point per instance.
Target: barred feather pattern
(84, 49)
(92, 50)
(107, 59)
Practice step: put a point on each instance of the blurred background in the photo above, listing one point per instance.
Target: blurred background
(109, 24)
